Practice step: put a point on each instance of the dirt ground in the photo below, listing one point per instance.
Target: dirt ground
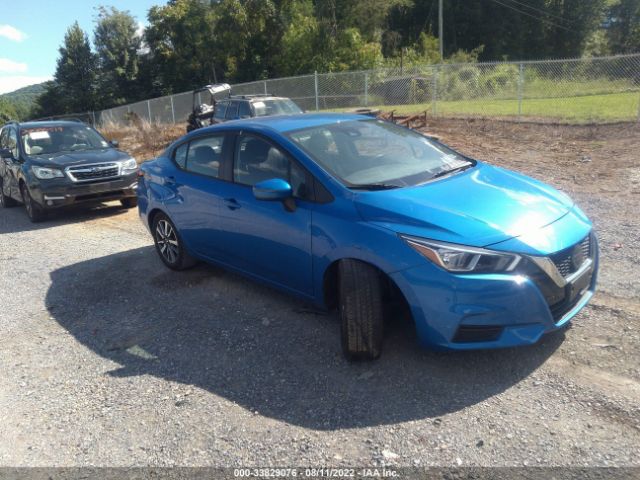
(109, 359)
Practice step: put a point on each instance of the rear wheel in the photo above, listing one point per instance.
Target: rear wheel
(35, 212)
(361, 311)
(169, 244)
(5, 201)
(129, 202)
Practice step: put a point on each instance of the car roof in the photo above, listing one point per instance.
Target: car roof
(50, 123)
(287, 123)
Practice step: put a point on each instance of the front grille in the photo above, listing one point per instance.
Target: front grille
(570, 259)
(94, 172)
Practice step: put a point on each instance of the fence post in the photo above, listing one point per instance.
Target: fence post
(520, 85)
(366, 89)
(149, 109)
(173, 110)
(93, 114)
(434, 91)
(315, 78)
(639, 110)
(265, 87)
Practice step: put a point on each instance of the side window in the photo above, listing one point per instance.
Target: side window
(232, 111)
(244, 110)
(3, 136)
(257, 160)
(204, 155)
(12, 142)
(221, 108)
(180, 155)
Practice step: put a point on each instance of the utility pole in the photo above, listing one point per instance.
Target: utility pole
(440, 30)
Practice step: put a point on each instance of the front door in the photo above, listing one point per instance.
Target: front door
(266, 238)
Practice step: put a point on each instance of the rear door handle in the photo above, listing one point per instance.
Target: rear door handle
(232, 203)
(170, 181)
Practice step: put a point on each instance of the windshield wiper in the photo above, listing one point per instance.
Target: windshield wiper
(453, 170)
(373, 186)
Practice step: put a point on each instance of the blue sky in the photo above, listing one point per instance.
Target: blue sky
(31, 32)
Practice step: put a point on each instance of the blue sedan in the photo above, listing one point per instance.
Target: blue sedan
(353, 213)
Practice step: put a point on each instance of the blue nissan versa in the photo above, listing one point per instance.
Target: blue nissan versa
(350, 212)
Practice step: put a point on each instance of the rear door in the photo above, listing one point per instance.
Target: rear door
(11, 165)
(195, 183)
(232, 111)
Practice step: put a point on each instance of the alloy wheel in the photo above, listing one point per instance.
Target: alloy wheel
(167, 241)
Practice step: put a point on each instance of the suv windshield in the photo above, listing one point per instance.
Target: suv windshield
(51, 139)
(282, 106)
(375, 154)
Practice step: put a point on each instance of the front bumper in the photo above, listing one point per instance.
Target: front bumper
(465, 312)
(51, 194)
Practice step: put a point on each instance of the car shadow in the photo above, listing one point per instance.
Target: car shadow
(14, 220)
(265, 351)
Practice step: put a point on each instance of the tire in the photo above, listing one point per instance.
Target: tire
(361, 310)
(5, 202)
(129, 202)
(169, 245)
(34, 211)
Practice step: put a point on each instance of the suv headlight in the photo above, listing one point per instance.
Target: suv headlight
(463, 259)
(44, 173)
(129, 165)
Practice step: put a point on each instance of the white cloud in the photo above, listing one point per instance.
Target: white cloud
(141, 28)
(9, 84)
(12, 33)
(9, 66)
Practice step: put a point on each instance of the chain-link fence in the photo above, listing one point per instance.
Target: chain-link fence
(605, 89)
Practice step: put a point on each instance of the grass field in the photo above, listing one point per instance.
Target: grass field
(583, 109)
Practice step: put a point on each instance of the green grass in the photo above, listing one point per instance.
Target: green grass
(584, 109)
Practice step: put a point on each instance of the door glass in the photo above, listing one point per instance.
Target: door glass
(257, 160)
(12, 142)
(204, 155)
(232, 111)
(244, 110)
(221, 108)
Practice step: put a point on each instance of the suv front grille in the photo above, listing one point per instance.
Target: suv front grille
(569, 260)
(87, 173)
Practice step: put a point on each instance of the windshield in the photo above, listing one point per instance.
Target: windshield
(282, 106)
(376, 153)
(60, 138)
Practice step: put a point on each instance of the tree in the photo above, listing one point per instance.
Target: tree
(181, 41)
(75, 75)
(624, 26)
(117, 44)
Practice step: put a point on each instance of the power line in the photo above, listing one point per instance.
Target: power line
(533, 16)
(549, 14)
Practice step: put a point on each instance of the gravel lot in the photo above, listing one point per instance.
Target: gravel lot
(109, 359)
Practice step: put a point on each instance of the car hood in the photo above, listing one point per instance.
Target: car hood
(479, 206)
(80, 157)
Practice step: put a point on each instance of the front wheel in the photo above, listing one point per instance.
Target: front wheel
(361, 311)
(169, 244)
(129, 202)
(35, 212)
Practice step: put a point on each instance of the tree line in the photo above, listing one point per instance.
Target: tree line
(189, 43)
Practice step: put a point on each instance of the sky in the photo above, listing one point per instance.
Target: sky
(32, 32)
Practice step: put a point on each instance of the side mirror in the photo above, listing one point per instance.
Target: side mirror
(5, 153)
(273, 189)
(114, 143)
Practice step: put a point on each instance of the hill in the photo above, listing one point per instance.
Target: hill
(23, 99)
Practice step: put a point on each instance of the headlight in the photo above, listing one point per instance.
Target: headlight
(130, 164)
(44, 173)
(463, 259)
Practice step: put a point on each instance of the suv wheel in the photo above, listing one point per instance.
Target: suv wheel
(5, 202)
(361, 312)
(129, 202)
(35, 212)
(169, 244)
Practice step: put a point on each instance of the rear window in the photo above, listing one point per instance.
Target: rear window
(281, 106)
